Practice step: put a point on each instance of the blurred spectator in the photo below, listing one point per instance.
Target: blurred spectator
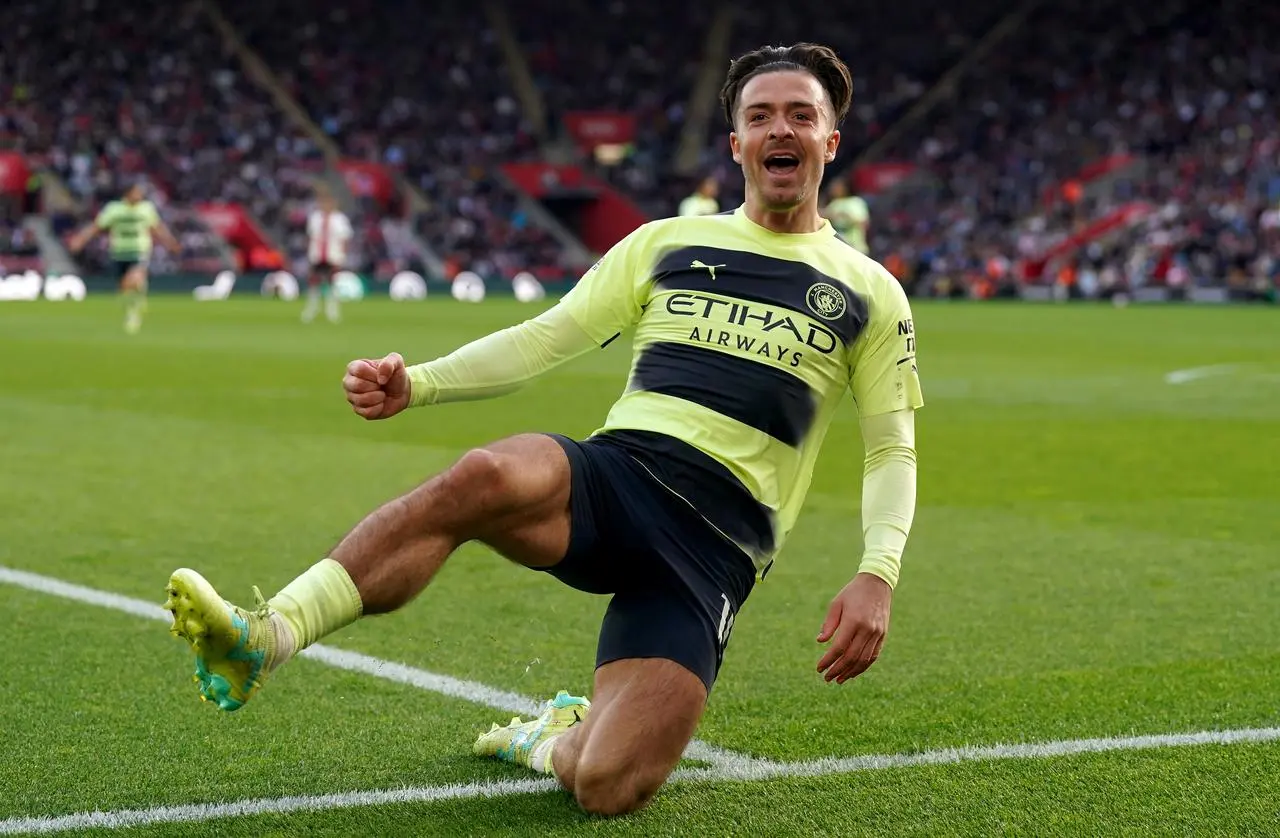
(848, 214)
(421, 88)
(703, 200)
(102, 93)
(1185, 91)
(1099, 148)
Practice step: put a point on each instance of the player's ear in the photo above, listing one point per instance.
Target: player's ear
(735, 146)
(833, 143)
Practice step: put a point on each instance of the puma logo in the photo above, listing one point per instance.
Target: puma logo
(698, 263)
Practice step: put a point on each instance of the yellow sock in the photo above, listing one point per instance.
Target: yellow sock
(319, 602)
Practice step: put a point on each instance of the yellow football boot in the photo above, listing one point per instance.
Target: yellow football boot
(234, 647)
(516, 741)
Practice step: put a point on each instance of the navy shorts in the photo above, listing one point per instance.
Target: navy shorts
(123, 266)
(677, 583)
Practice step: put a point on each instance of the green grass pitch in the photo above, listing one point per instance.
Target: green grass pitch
(1096, 554)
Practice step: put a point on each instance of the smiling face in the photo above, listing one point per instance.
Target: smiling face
(784, 136)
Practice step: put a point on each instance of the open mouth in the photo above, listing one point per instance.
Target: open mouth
(782, 163)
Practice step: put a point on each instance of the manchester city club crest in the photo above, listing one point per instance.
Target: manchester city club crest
(826, 301)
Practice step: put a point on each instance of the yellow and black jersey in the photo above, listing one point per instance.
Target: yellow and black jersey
(744, 342)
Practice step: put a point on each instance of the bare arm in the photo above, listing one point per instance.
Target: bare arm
(161, 231)
(83, 236)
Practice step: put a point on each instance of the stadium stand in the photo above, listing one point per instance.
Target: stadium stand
(642, 69)
(421, 89)
(1091, 148)
(895, 52)
(1101, 149)
(103, 93)
(18, 250)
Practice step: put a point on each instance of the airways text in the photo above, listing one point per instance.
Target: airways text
(778, 325)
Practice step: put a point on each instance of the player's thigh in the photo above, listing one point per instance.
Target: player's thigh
(644, 712)
(600, 532)
(135, 278)
(522, 487)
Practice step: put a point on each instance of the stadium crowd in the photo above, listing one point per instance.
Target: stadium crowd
(102, 94)
(18, 248)
(895, 53)
(1186, 93)
(361, 69)
(1172, 106)
(638, 63)
(358, 67)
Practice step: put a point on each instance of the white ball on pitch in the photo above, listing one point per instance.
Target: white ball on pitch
(408, 285)
(468, 287)
(527, 288)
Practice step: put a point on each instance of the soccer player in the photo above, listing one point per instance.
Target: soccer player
(703, 200)
(848, 214)
(328, 234)
(130, 223)
(749, 328)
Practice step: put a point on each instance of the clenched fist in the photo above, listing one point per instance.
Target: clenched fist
(377, 389)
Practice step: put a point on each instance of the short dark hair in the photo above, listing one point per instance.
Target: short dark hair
(819, 61)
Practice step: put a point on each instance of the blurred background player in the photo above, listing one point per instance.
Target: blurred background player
(130, 222)
(703, 200)
(328, 232)
(848, 214)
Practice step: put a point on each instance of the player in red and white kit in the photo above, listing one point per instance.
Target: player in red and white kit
(328, 234)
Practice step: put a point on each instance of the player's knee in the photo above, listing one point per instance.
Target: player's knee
(614, 788)
(480, 474)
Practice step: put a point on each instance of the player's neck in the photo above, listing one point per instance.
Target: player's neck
(801, 219)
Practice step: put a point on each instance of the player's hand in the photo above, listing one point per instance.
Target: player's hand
(856, 625)
(377, 389)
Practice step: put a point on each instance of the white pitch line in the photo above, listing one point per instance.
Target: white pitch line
(1194, 373)
(767, 769)
(728, 766)
(399, 673)
(759, 770)
(200, 812)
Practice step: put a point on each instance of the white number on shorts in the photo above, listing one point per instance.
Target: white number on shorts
(726, 622)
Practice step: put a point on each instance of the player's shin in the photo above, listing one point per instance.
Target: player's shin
(313, 303)
(331, 310)
(319, 602)
(132, 309)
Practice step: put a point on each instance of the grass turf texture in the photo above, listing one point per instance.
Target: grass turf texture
(1094, 555)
